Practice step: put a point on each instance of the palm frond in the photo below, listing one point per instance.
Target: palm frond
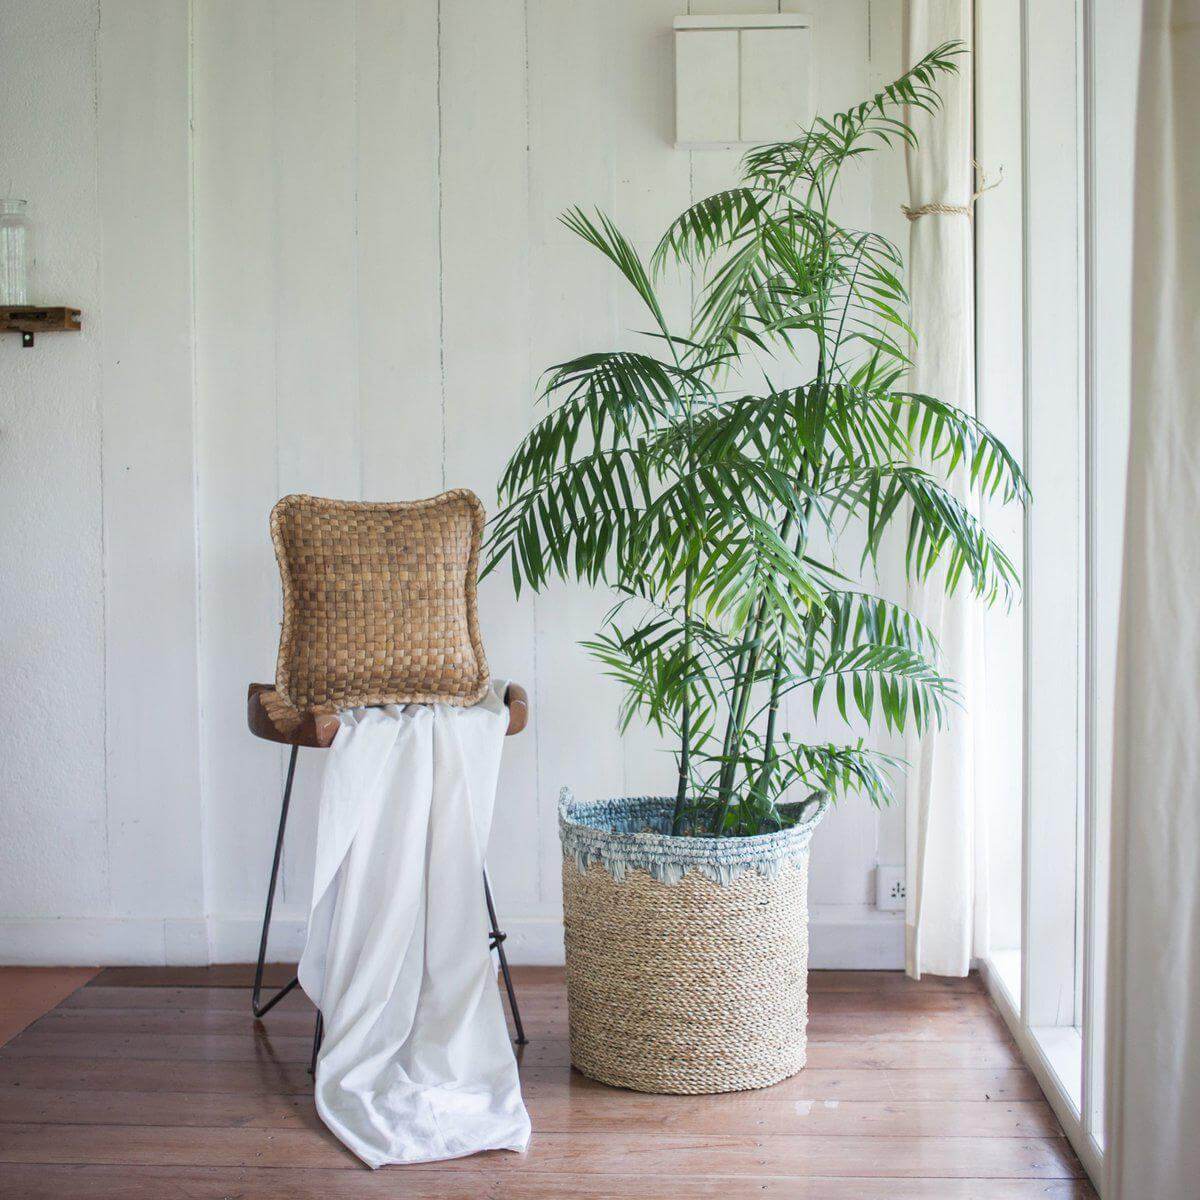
(948, 436)
(874, 123)
(617, 248)
(709, 225)
(603, 400)
(942, 530)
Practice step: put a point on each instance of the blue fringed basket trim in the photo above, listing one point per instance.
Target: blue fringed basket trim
(633, 833)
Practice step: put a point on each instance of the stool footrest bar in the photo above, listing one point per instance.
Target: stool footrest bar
(261, 1010)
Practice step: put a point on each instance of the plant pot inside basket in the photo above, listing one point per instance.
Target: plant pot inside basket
(687, 958)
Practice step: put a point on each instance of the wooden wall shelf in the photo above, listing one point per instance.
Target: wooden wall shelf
(30, 319)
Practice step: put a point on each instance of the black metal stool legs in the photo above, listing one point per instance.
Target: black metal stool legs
(256, 1004)
(495, 938)
(259, 1008)
(497, 943)
(318, 1038)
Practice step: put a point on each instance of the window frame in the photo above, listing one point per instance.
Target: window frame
(1074, 230)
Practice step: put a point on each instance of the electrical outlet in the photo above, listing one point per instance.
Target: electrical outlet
(890, 889)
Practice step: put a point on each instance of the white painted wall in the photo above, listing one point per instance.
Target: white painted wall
(99, 776)
(317, 249)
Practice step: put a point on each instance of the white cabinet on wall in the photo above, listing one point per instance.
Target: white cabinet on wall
(741, 79)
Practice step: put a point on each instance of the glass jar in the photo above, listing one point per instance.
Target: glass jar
(16, 252)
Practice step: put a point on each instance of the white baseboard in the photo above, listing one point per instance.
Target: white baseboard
(235, 939)
(103, 941)
(849, 937)
(532, 941)
(855, 937)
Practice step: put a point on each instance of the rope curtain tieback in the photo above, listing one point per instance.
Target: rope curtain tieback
(966, 210)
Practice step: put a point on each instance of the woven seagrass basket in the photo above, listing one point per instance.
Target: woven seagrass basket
(687, 958)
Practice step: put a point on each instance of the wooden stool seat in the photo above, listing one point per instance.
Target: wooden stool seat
(272, 718)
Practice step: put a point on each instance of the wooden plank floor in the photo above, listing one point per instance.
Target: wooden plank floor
(28, 992)
(156, 1083)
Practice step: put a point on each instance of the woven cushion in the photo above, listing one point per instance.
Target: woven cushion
(379, 602)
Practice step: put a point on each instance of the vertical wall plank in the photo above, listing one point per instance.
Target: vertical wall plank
(236, 285)
(152, 694)
(572, 152)
(488, 390)
(316, 312)
(888, 183)
(316, 301)
(399, 258)
(52, 582)
(651, 186)
(845, 846)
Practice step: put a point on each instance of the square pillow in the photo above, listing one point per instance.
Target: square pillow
(379, 602)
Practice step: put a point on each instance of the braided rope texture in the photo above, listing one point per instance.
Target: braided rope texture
(692, 986)
(938, 207)
(379, 602)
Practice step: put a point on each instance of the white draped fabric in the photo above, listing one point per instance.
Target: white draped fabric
(416, 1064)
(1153, 1046)
(940, 816)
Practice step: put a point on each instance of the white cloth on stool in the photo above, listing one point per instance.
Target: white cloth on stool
(416, 1064)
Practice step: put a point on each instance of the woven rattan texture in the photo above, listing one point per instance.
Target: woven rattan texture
(379, 601)
(688, 987)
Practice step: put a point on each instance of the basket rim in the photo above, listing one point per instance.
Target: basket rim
(669, 857)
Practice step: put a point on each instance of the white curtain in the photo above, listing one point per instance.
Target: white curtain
(940, 820)
(1153, 1044)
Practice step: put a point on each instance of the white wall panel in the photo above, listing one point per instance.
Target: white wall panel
(151, 659)
(487, 382)
(316, 300)
(574, 291)
(52, 794)
(887, 190)
(314, 230)
(378, 278)
(236, 272)
(652, 183)
(398, 250)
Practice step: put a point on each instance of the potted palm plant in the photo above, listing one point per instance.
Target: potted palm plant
(718, 515)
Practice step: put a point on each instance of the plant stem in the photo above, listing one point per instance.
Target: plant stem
(764, 780)
(684, 766)
(685, 751)
(768, 770)
(686, 731)
(740, 704)
(747, 667)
